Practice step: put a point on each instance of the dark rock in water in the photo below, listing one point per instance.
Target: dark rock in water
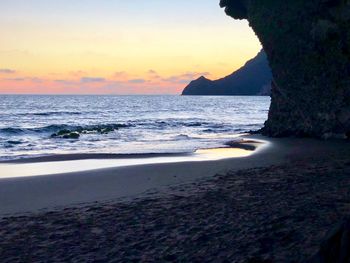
(242, 144)
(308, 47)
(72, 135)
(336, 246)
(75, 132)
(107, 130)
(254, 78)
(66, 134)
(63, 132)
(14, 142)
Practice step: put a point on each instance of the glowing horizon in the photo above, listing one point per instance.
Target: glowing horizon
(117, 47)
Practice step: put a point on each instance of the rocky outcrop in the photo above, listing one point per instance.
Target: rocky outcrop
(254, 78)
(308, 47)
(336, 246)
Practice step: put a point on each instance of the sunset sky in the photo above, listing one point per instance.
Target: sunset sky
(117, 46)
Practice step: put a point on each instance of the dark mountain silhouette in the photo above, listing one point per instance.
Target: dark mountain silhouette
(254, 78)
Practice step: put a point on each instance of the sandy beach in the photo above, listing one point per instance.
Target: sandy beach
(33, 193)
(273, 206)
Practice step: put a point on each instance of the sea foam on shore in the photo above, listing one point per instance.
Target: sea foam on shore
(122, 124)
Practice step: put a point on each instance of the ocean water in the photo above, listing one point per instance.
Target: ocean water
(45, 125)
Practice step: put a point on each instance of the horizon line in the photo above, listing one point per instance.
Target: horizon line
(77, 94)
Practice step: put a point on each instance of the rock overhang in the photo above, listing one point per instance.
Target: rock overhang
(235, 9)
(308, 48)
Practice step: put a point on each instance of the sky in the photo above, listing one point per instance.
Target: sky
(117, 46)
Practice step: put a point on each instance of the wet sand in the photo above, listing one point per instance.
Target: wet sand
(274, 206)
(64, 164)
(30, 194)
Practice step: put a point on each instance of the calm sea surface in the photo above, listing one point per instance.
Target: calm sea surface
(45, 125)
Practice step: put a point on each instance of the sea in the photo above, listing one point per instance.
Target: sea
(41, 125)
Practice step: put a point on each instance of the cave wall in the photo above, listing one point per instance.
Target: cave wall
(308, 46)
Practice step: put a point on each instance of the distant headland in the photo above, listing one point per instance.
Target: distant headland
(254, 78)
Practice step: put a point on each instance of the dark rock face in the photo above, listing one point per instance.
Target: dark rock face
(336, 246)
(308, 47)
(254, 78)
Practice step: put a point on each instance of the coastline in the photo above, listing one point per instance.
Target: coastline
(49, 165)
(243, 144)
(54, 191)
(32, 194)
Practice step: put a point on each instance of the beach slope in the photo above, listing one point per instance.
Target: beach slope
(275, 206)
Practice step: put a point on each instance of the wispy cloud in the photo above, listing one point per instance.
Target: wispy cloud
(137, 81)
(20, 79)
(92, 80)
(120, 74)
(15, 79)
(185, 77)
(7, 71)
(78, 73)
(65, 82)
(152, 72)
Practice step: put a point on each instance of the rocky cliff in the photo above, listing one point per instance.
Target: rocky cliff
(335, 246)
(308, 47)
(254, 78)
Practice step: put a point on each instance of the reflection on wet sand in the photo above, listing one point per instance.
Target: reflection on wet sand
(51, 166)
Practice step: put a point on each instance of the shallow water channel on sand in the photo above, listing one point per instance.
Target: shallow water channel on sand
(78, 163)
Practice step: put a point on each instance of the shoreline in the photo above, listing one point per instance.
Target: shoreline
(73, 163)
(32, 194)
(249, 145)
